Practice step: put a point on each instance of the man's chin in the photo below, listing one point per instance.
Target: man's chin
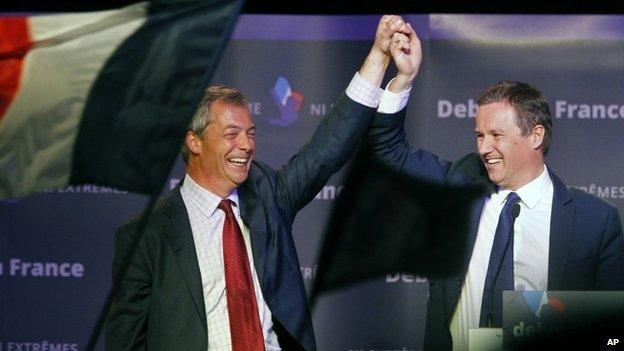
(493, 178)
(239, 179)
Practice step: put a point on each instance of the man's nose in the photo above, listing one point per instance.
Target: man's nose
(245, 142)
(484, 145)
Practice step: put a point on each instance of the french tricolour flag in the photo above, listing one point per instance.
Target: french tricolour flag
(104, 97)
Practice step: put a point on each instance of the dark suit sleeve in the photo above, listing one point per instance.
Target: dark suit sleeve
(389, 144)
(610, 270)
(127, 318)
(331, 145)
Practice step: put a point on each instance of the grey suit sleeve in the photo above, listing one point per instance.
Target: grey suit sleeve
(610, 269)
(127, 319)
(329, 148)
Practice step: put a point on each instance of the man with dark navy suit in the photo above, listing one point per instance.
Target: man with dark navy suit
(530, 232)
(216, 267)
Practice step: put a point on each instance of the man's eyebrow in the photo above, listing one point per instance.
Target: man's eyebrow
(238, 127)
(489, 131)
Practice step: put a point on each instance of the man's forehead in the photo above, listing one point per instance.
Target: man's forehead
(225, 105)
(227, 113)
(496, 117)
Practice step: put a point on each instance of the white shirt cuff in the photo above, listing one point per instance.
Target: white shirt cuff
(364, 92)
(393, 102)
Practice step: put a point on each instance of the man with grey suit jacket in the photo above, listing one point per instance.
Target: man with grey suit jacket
(216, 267)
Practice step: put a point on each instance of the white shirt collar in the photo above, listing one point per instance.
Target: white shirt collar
(205, 197)
(531, 193)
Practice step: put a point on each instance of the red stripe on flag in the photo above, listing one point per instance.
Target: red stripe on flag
(14, 44)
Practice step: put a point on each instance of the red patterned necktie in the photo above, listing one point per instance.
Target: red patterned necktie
(245, 328)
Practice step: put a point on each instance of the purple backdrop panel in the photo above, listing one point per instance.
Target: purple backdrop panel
(56, 247)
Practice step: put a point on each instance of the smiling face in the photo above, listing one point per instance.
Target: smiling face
(511, 159)
(221, 157)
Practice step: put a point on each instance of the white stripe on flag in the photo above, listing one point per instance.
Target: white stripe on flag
(38, 130)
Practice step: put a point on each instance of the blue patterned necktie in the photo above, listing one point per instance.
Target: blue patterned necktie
(500, 273)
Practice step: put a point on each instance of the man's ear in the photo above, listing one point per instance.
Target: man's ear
(537, 136)
(193, 142)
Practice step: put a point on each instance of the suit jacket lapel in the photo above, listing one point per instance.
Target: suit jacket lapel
(561, 230)
(253, 215)
(180, 236)
(454, 284)
(470, 170)
(475, 217)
